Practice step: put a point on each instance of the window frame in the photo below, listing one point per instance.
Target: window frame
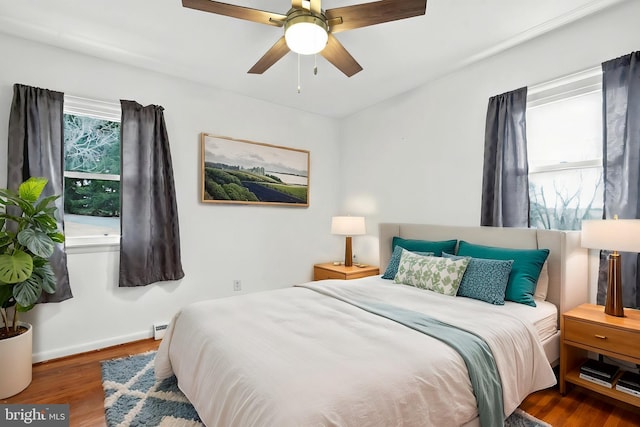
(561, 89)
(104, 110)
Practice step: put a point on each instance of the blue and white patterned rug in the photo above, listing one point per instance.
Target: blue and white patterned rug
(133, 398)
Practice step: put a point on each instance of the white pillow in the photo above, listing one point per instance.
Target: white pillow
(543, 283)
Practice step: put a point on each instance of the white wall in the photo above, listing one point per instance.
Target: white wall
(265, 247)
(418, 157)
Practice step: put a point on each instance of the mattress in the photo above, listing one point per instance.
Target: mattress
(543, 317)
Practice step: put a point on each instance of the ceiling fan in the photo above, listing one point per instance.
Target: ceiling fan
(308, 29)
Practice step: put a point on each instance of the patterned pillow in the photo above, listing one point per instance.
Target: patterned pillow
(485, 279)
(527, 264)
(442, 275)
(394, 262)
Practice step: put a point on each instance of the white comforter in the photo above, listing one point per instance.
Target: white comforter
(296, 357)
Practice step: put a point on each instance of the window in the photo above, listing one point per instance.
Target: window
(564, 147)
(91, 170)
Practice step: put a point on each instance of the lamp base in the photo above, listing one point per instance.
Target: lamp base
(613, 304)
(348, 258)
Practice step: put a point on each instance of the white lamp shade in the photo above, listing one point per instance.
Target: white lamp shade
(348, 225)
(621, 235)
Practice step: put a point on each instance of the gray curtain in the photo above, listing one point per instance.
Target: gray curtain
(505, 181)
(621, 128)
(36, 148)
(150, 241)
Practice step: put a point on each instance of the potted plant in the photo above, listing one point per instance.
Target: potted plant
(28, 234)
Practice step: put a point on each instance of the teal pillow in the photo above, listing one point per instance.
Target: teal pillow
(394, 262)
(525, 270)
(485, 279)
(425, 245)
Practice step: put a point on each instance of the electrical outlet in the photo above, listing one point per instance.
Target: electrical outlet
(237, 285)
(159, 330)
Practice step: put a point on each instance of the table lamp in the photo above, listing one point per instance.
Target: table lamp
(347, 226)
(613, 235)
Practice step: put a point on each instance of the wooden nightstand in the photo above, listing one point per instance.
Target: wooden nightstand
(587, 328)
(330, 271)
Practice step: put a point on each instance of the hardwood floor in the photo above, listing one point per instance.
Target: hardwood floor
(77, 380)
(580, 408)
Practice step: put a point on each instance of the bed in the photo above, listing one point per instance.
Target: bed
(353, 353)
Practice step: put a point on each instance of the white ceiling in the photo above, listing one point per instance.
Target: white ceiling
(215, 50)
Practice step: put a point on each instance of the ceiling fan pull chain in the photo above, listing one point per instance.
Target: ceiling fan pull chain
(298, 73)
(315, 65)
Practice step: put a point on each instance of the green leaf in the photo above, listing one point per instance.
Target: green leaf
(22, 309)
(7, 195)
(27, 209)
(5, 240)
(46, 222)
(38, 242)
(44, 203)
(50, 210)
(57, 237)
(13, 199)
(15, 268)
(31, 189)
(27, 293)
(6, 216)
(47, 278)
(39, 262)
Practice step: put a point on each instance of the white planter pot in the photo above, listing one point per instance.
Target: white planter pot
(15, 362)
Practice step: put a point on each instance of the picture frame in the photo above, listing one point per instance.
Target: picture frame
(237, 171)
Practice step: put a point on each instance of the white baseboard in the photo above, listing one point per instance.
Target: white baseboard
(90, 346)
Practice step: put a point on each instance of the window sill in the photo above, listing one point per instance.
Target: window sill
(85, 244)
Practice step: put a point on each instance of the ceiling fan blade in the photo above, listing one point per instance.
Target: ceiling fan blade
(335, 53)
(234, 11)
(272, 56)
(377, 12)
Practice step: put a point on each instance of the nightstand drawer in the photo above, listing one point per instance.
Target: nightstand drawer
(603, 337)
(322, 274)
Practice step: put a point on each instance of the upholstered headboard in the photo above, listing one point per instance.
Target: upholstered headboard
(567, 262)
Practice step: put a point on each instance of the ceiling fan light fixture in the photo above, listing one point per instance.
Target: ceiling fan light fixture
(307, 26)
(306, 34)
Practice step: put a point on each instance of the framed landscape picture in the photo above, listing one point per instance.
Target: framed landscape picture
(238, 171)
